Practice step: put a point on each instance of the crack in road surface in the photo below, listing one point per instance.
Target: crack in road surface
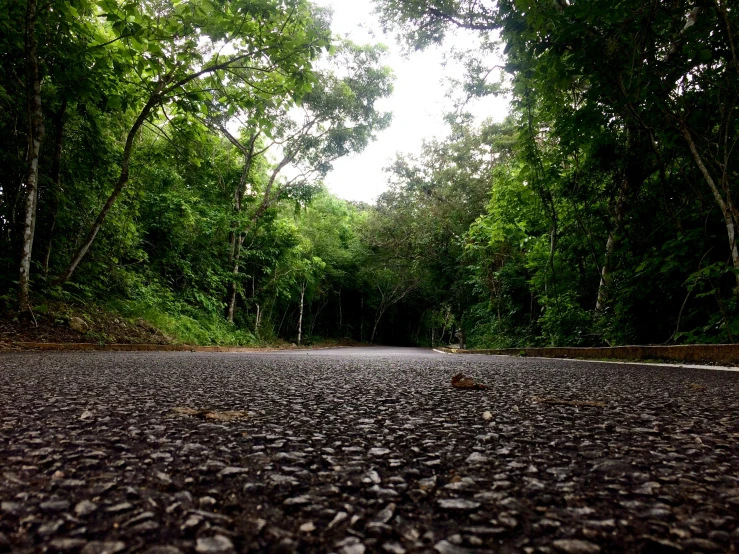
(363, 450)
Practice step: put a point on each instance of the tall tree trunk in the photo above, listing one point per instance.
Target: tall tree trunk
(314, 319)
(284, 315)
(232, 242)
(725, 204)
(552, 251)
(236, 239)
(35, 136)
(56, 170)
(378, 317)
(634, 175)
(154, 100)
(300, 317)
(378, 314)
(611, 244)
(341, 314)
(233, 289)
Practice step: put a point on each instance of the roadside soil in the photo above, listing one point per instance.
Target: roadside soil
(53, 325)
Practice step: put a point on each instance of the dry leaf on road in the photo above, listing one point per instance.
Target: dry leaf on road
(462, 381)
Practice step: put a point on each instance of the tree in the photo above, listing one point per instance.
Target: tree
(176, 55)
(634, 78)
(337, 117)
(35, 136)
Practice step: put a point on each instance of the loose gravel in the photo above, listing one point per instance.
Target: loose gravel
(363, 450)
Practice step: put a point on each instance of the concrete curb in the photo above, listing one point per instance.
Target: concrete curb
(719, 354)
(614, 362)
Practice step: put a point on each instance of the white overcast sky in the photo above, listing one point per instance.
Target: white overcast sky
(418, 103)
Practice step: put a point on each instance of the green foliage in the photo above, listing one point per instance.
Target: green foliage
(186, 143)
(617, 188)
(183, 323)
(184, 224)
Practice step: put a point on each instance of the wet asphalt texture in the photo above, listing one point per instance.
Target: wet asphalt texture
(363, 450)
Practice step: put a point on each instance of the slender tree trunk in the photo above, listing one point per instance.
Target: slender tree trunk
(232, 243)
(284, 315)
(341, 315)
(300, 317)
(236, 240)
(605, 273)
(378, 317)
(119, 186)
(374, 327)
(611, 244)
(378, 314)
(314, 319)
(35, 136)
(552, 251)
(257, 322)
(630, 185)
(724, 204)
(235, 272)
(56, 170)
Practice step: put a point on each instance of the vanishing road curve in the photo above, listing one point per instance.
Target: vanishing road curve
(363, 450)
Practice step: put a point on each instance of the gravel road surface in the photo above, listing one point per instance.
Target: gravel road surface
(363, 450)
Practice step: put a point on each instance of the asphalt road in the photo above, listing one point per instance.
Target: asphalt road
(363, 450)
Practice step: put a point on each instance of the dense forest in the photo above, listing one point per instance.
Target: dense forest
(163, 159)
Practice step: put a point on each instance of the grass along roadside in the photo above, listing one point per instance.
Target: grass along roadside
(118, 322)
(181, 328)
(131, 322)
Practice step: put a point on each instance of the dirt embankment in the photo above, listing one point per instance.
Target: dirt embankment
(62, 323)
(66, 327)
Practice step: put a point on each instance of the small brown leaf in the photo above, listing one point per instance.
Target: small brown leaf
(696, 386)
(461, 381)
